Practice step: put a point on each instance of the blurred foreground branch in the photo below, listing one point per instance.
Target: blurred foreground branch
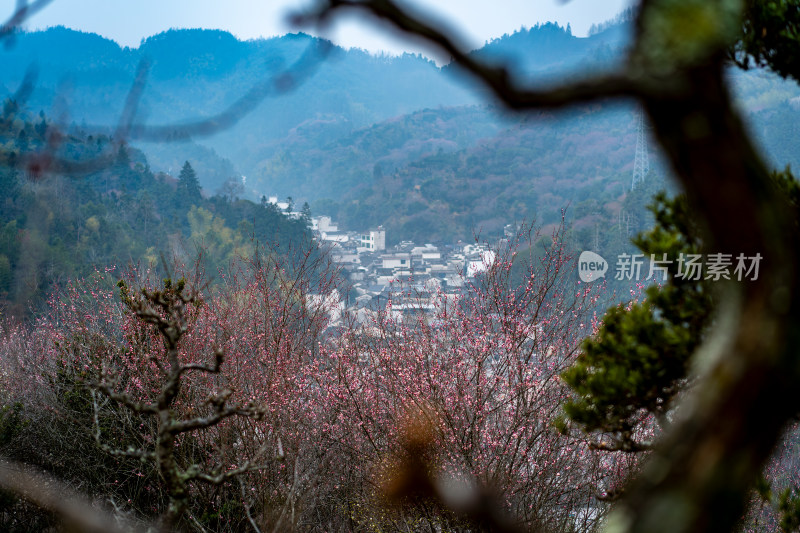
(49, 161)
(49, 493)
(699, 477)
(23, 12)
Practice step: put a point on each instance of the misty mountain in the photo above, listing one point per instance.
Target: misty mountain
(375, 140)
(545, 53)
(196, 74)
(84, 78)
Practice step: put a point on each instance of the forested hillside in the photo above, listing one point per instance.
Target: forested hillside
(55, 227)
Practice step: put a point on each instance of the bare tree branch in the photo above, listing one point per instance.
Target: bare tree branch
(26, 87)
(23, 12)
(246, 504)
(132, 101)
(49, 493)
(47, 161)
(124, 399)
(208, 421)
(496, 77)
(218, 359)
(698, 478)
(282, 82)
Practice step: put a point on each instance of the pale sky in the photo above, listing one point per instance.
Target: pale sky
(129, 21)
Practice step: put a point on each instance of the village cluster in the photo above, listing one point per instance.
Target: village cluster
(408, 277)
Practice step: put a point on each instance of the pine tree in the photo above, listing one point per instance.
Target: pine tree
(630, 372)
(123, 160)
(638, 361)
(188, 185)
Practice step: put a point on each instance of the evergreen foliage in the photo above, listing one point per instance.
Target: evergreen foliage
(188, 185)
(630, 372)
(632, 369)
(771, 37)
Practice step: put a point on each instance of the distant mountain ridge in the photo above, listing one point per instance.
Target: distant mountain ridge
(545, 51)
(197, 73)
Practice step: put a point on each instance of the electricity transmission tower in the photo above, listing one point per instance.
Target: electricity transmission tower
(641, 161)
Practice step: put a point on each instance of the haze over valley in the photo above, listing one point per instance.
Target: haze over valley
(375, 140)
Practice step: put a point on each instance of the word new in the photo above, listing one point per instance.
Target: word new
(591, 266)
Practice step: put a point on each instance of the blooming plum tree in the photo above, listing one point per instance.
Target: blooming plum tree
(206, 389)
(482, 376)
